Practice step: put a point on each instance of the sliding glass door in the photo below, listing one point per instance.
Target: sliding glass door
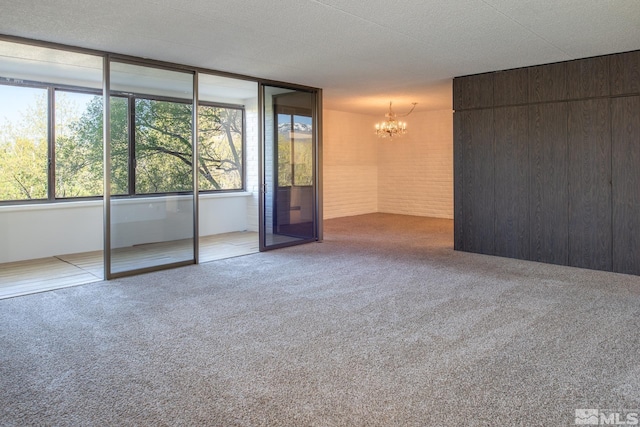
(289, 200)
(149, 199)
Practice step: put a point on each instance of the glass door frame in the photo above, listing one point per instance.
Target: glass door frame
(264, 186)
(107, 237)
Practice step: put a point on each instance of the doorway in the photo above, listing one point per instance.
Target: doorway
(290, 191)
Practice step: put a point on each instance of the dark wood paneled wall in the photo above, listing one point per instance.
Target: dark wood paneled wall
(548, 82)
(589, 141)
(511, 182)
(625, 123)
(511, 87)
(458, 178)
(625, 73)
(473, 91)
(478, 181)
(549, 190)
(547, 163)
(588, 78)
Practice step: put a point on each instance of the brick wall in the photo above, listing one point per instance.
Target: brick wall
(415, 172)
(350, 164)
(251, 162)
(412, 175)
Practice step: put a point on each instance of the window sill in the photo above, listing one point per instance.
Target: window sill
(80, 204)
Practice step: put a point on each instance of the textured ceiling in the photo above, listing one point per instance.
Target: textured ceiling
(362, 53)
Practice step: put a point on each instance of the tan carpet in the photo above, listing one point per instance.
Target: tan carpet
(383, 324)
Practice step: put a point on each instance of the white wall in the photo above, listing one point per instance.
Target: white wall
(251, 162)
(350, 164)
(37, 231)
(415, 172)
(43, 230)
(412, 175)
(225, 213)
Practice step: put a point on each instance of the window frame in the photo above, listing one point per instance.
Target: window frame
(51, 89)
(51, 114)
(243, 144)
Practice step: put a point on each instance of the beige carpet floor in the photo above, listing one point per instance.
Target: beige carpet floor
(382, 324)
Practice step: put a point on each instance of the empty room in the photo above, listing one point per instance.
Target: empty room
(315, 212)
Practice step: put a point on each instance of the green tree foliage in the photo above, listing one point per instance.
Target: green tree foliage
(295, 151)
(78, 153)
(303, 163)
(163, 149)
(164, 152)
(23, 167)
(163, 146)
(89, 130)
(300, 171)
(220, 159)
(23, 154)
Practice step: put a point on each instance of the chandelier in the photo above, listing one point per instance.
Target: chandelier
(392, 127)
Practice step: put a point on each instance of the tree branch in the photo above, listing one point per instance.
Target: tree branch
(26, 192)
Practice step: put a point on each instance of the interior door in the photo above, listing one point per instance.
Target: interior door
(289, 199)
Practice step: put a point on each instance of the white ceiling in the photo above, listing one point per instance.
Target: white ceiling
(363, 53)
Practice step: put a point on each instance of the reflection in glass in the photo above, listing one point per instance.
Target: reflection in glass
(119, 145)
(148, 232)
(289, 202)
(78, 134)
(163, 150)
(26, 63)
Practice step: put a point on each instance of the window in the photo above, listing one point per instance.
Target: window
(51, 131)
(78, 144)
(163, 153)
(119, 145)
(45, 99)
(163, 146)
(27, 156)
(23, 143)
(159, 131)
(221, 143)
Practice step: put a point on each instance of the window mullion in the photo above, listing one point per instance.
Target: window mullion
(51, 144)
(292, 149)
(132, 144)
